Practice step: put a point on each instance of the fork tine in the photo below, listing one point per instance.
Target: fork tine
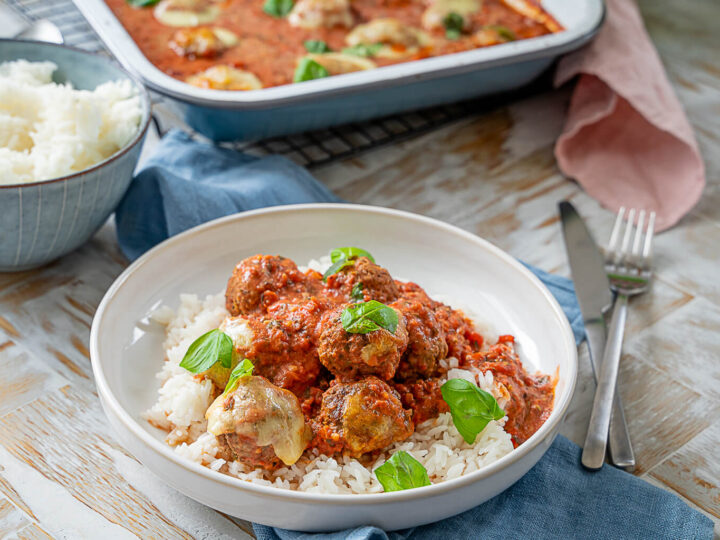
(649, 237)
(638, 233)
(628, 232)
(616, 230)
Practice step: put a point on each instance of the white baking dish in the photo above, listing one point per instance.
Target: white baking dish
(355, 96)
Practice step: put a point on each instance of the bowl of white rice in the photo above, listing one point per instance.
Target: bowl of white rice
(169, 296)
(71, 130)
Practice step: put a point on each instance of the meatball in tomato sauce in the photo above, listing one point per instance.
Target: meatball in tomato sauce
(351, 356)
(366, 277)
(426, 340)
(360, 417)
(259, 281)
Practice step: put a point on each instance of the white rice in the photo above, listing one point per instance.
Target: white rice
(183, 400)
(49, 130)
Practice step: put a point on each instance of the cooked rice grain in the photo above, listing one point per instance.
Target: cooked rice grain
(183, 400)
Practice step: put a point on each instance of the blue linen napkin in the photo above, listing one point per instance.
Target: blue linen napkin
(186, 183)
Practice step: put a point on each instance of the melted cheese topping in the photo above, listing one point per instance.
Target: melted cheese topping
(398, 39)
(339, 63)
(263, 412)
(186, 12)
(433, 16)
(222, 77)
(311, 14)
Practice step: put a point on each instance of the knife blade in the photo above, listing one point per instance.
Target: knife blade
(594, 297)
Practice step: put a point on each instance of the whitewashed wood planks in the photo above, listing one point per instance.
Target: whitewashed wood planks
(63, 475)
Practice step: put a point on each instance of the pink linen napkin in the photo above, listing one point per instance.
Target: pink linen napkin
(626, 139)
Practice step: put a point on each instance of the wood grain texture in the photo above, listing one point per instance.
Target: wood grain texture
(494, 175)
(24, 380)
(694, 470)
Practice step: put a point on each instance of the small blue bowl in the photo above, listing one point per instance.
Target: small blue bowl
(42, 221)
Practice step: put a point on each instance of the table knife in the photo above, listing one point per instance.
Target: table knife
(594, 296)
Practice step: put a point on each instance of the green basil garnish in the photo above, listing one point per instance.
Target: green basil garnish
(316, 46)
(363, 50)
(349, 253)
(504, 32)
(142, 3)
(356, 292)
(344, 256)
(471, 408)
(402, 471)
(308, 69)
(214, 346)
(365, 317)
(278, 8)
(243, 369)
(453, 24)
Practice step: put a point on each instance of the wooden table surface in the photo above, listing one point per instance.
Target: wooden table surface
(63, 475)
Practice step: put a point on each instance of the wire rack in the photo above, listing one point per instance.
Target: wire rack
(311, 149)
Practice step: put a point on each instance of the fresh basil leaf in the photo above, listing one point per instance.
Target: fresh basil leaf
(316, 46)
(504, 32)
(278, 8)
(453, 24)
(471, 408)
(243, 369)
(363, 50)
(365, 317)
(356, 292)
(142, 3)
(349, 253)
(402, 471)
(342, 257)
(336, 267)
(209, 348)
(308, 70)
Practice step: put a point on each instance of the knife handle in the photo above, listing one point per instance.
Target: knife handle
(621, 450)
(619, 444)
(593, 454)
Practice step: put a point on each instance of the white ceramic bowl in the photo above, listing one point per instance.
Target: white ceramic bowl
(126, 348)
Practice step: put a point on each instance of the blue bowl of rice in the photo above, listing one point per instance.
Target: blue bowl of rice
(73, 126)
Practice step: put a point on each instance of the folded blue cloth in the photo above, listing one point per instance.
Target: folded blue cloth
(186, 183)
(556, 499)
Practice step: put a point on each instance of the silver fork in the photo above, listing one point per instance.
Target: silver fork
(629, 272)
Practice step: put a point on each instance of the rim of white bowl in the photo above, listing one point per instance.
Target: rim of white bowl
(336, 499)
(142, 128)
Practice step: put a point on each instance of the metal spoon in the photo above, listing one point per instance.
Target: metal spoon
(42, 30)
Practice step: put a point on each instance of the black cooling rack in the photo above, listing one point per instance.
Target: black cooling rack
(310, 149)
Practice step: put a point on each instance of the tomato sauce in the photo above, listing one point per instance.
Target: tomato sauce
(294, 320)
(531, 397)
(270, 48)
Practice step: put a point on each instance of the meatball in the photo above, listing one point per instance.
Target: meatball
(257, 281)
(360, 417)
(426, 340)
(460, 335)
(423, 397)
(283, 344)
(352, 356)
(234, 447)
(376, 283)
(261, 424)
